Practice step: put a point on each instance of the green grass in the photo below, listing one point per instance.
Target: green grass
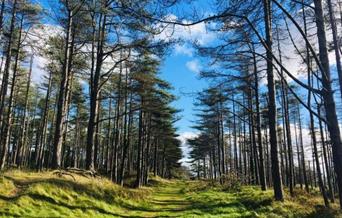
(28, 194)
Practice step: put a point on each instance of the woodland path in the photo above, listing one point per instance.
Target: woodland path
(168, 200)
(29, 194)
(191, 199)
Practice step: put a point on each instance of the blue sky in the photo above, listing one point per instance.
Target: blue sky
(181, 67)
(177, 71)
(185, 81)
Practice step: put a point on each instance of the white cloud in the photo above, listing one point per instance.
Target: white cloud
(194, 66)
(199, 33)
(185, 148)
(183, 49)
(37, 69)
(294, 63)
(37, 37)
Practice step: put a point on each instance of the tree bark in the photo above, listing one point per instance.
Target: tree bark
(94, 91)
(272, 112)
(6, 74)
(62, 103)
(7, 124)
(329, 102)
(336, 43)
(258, 126)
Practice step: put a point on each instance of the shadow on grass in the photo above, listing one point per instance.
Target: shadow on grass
(188, 208)
(321, 211)
(169, 203)
(253, 204)
(107, 196)
(39, 197)
(174, 201)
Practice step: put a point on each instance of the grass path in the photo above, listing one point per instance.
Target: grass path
(167, 200)
(199, 199)
(27, 194)
(170, 198)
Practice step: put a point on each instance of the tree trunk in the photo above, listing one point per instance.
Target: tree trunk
(336, 43)
(329, 102)
(23, 134)
(7, 124)
(62, 104)
(262, 176)
(326, 163)
(140, 148)
(272, 112)
(6, 74)
(94, 92)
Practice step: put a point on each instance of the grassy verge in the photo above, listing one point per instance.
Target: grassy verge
(252, 202)
(46, 195)
(28, 194)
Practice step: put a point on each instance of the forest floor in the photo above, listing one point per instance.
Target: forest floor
(29, 194)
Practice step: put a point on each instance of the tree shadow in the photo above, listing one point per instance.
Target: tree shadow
(253, 204)
(321, 211)
(21, 185)
(51, 200)
(106, 195)
(185, 207)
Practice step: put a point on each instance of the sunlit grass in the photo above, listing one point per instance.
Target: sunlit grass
(28, 194)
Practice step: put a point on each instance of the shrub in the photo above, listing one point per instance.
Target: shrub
(231, 182)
